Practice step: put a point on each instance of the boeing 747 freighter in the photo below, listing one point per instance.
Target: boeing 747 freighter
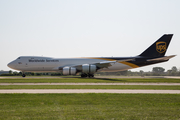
(90, 65)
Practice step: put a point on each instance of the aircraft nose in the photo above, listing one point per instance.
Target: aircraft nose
(11, 65)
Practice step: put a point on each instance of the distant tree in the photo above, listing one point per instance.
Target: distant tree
(10, 72)
(38, 74)
(56, 74)
(32, 74)
(174, 69)
(20, 73)
(141, 73)
(169, 72)
(123, 72)
(129, 73)
(15, 73)
(158, 70)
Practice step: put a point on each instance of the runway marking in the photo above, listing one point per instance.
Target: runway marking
(45, 91)
(168, 84)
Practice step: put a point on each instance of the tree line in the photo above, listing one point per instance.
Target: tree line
(156, 71)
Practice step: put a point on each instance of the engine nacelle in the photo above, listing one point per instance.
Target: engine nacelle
(69, 71)
(87, 68)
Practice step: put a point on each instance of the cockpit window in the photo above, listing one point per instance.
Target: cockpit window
(18, 58)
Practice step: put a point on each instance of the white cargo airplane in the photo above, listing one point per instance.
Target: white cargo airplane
(88, 66)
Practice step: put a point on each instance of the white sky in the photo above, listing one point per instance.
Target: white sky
(87, 28)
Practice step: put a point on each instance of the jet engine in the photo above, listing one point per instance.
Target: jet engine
(69, 71)
(88, 69)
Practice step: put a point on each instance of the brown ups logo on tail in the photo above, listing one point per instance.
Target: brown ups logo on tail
(161, 47)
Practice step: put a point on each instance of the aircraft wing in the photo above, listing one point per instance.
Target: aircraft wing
(162, 58)
(106, 64)
(100, 65)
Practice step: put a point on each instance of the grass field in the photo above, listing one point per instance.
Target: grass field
(153, 87)
(90, 106)
(89, 80)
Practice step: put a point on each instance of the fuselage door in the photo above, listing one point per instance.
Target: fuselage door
(26, 64)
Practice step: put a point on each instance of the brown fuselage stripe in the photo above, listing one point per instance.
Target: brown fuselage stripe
(123, 62)
(129, 64)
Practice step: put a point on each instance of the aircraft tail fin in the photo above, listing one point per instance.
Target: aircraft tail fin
(158, 48)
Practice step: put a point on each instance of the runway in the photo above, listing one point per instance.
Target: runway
(47, 91)
(19, 77)
(169, 84)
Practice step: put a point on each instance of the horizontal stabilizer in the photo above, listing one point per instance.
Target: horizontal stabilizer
(162, 58)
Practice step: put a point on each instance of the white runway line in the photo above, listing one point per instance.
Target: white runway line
(90, 91)
(90, 84)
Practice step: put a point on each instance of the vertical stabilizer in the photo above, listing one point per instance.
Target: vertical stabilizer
(158, 48)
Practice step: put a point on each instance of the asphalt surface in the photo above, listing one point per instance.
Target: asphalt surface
(35, 91)
(15, 77)
(90, 84)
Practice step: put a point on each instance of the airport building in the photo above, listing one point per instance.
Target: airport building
(4, 72)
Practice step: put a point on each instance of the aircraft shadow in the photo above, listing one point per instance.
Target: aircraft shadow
(109, 79)
(103, 79)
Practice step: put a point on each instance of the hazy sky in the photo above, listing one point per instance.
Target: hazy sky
(87, 28)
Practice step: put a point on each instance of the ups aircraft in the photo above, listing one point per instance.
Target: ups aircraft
(88, 66)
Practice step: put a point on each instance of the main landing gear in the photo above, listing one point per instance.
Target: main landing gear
(83, 75)
(23, 75)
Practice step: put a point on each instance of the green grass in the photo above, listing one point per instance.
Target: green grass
(153, 87)
(90, 106)
(89, 80)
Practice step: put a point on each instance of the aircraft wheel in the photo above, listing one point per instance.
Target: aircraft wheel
(83, 75)
(23, 75)
(90, 75)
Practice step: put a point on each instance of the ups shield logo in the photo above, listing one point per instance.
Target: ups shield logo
(161, 47)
